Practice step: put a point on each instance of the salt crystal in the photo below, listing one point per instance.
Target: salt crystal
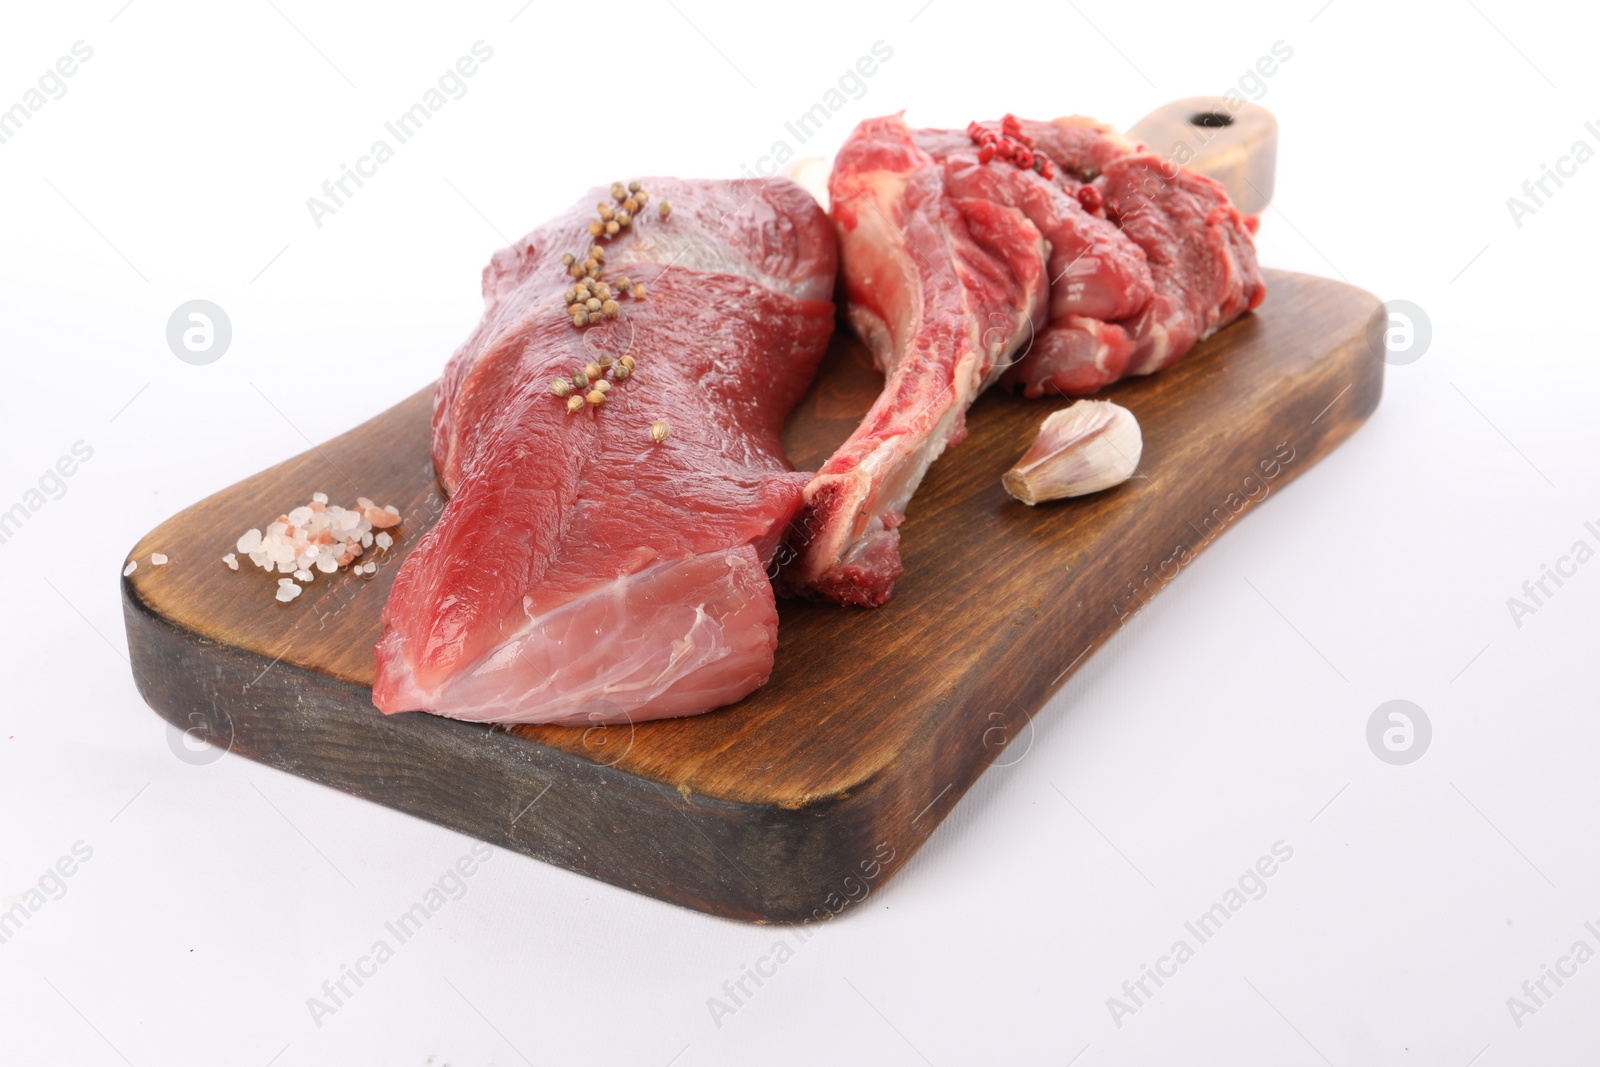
(232, 561)
(316, 538)
(158, 559)
(132, 566)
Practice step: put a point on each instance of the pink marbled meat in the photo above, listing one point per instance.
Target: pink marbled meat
(959, 270)
(942, 288)
(581, 572)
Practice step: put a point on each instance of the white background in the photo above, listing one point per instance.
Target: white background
(219, 897)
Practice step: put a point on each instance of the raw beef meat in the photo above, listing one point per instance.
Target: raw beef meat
(942, 289)
(1136, 206)
(583, 572)
(1057, 254)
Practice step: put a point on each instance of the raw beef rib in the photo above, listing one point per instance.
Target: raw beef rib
(942, 289)
(1055, 253)
(583, 572)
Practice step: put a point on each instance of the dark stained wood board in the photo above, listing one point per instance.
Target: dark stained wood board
(816, 788)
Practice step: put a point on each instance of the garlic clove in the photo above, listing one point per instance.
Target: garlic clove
(1092, 445)
(812, 173)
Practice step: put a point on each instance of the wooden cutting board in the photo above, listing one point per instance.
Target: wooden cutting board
(811, 792)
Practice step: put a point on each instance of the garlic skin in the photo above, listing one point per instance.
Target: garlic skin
(1092, 445)
(812, 173)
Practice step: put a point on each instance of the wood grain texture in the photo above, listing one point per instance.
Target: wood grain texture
(813, 790)
(1233, 141)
